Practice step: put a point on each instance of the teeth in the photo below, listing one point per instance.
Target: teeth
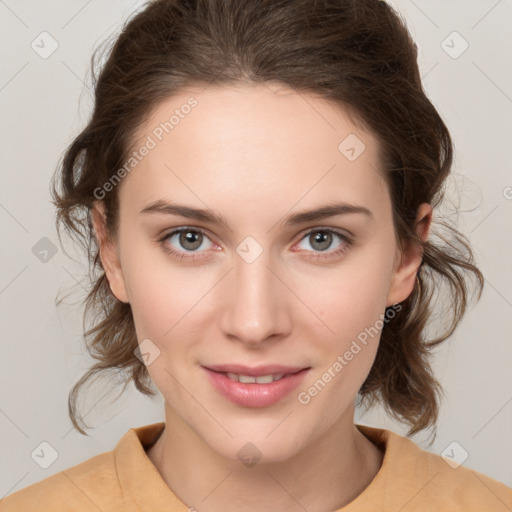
(246, 379)
(263, 379)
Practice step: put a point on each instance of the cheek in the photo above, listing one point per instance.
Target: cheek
(350, 298)
(153, 313)
(346, 356)
(351, 305)
(160, 292)
(168, 305)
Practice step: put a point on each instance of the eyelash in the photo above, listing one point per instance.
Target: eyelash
(347, 243)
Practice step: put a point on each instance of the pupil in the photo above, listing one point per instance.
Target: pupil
(321, 235)
(190, 237)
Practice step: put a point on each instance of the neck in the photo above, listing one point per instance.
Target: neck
(326, 475)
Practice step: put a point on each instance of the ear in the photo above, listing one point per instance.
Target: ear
(109, 255)
(408, 262)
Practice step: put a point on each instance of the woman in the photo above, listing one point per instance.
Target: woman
(259, 181)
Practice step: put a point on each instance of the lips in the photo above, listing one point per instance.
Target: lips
(256, 371)
(255, 394)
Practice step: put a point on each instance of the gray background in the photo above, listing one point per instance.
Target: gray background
(45, 102)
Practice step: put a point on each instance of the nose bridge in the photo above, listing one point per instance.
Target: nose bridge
(254, 307)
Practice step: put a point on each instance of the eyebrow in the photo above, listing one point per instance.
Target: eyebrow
(202, 215)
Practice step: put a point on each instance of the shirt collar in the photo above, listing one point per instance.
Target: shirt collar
(138, 476)
(140, 479)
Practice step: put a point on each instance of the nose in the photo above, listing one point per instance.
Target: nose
(255, 308)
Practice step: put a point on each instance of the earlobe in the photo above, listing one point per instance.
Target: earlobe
(108, 253)
(408, 262)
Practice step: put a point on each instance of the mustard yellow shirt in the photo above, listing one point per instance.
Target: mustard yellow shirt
(125, 480)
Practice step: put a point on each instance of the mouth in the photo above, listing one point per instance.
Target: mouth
(256, 371)
(256, 387)
(259, 379)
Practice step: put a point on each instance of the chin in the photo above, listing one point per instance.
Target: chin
(250, 451)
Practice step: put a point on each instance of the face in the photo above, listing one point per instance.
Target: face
(262, 286)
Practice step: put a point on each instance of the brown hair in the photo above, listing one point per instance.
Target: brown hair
(357, 53)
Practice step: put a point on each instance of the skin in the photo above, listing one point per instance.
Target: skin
(256, 154)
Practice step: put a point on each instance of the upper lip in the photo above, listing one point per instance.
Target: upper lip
(255, 371)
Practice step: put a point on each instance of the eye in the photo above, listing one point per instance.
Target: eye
(188, 239)
(191, 240)
(321, 239)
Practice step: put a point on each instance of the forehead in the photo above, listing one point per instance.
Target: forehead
(250, 144)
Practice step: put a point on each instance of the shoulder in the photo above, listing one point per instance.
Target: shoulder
(91, 485)
(440, 482)
(417, 480)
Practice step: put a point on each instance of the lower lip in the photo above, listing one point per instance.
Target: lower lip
(255, 395)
